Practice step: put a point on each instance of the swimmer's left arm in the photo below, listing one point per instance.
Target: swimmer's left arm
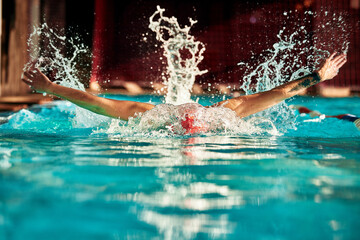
(258, 102)
(250, 104)
(328, 71)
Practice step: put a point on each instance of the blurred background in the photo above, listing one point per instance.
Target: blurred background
(125, 50)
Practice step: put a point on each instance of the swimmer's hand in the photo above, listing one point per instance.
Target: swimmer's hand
(331, 66)
(37, 80)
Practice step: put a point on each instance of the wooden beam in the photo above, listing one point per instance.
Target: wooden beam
(17, 54)
(27, 14)
(26, 99)
(11, 107)
(1, 25)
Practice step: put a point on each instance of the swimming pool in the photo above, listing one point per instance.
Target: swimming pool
(58, 181)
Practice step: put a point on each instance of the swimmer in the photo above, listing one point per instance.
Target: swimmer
(243, 106)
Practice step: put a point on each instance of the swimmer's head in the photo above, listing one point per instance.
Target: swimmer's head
(192, 122)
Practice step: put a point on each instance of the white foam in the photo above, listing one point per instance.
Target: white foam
(166, 120)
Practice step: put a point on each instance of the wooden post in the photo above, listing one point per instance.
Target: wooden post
(1, 24)
(17, 51)
(27, 14)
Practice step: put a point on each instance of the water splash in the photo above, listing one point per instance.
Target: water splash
(61, 59)
(294, 55)
(183, 54)
(298, 51)
(55, 58)
(166, 120)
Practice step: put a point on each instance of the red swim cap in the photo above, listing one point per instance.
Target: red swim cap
(191, 126)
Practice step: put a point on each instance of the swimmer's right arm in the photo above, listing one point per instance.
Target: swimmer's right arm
(108, 107)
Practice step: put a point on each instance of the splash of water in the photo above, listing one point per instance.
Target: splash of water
(294, 55)
(298, 51)
(183, 54)
(166, 120)
(60, 58)
(53, 59)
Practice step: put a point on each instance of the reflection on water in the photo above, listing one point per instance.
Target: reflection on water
(180, 188)
(217, 186)
(189, 226)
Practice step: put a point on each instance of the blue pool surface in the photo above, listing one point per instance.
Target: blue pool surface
(58, 181)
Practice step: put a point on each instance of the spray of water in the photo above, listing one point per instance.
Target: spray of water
(298, 51)
(60, 59)
(166, 120)
(183, 54)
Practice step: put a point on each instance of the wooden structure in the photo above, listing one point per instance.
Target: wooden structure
(13, 54)
(16, 24)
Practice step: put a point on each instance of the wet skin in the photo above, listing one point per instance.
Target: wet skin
(243, 105)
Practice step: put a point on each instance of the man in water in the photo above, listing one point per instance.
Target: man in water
(243, 106)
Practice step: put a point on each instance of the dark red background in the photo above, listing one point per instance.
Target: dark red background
(233, 31)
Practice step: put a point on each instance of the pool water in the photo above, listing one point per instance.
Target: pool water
(58, 181)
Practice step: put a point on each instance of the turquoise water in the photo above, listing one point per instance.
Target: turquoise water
(58, 181)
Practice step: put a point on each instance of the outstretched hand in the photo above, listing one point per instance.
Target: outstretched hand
(37, 80)
(331, 66)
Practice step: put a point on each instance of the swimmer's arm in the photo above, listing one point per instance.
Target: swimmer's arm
(250, 104)
(108, 107)
(104, 106)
